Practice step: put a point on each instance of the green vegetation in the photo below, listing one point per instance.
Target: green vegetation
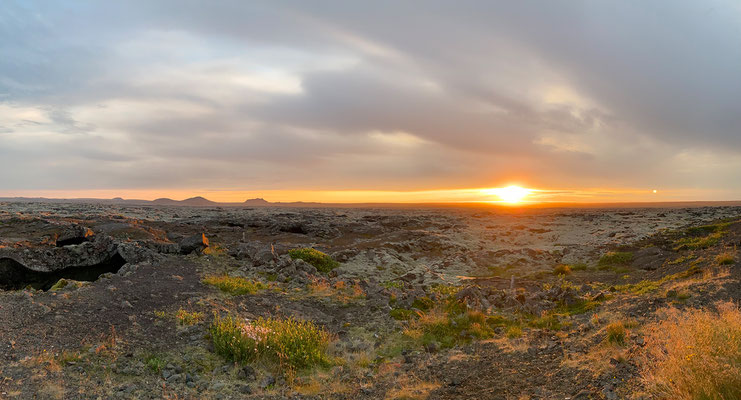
(234, 285)
(692, 243)
(393, 284)
(445, 290)
(402, 314)
(154, 362)
(500, 271)
(322, 262)
(290, 344)
(513, 332)
(708, 229)
(188, 318)
(61, 284)
(447, 328)
(682, 259)
(578, 266)
(647, 286)
(423, 303)
(702, 237)
(614, 259)
(579, 307)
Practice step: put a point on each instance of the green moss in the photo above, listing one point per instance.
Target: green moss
(579, 307)
(423, 303)
(500, 271)
(697, 243)
(702, 237)
(646, 286)
(234, 285)
(615, 259)
(401, 314)
(393, 284)
(322, 262)
(546, 321)
(61, 284)
(445, 290)
(578, 267)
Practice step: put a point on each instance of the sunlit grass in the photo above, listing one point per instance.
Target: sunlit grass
(234, 285)
(291, 344)
(695, 354)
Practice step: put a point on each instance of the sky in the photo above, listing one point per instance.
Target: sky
(371, 101)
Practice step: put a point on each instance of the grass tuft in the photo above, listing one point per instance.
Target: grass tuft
(290, 343)
(726, 257)
(322, 262)
(616, 333)
(234, 285)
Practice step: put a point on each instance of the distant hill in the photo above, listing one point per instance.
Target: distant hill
(198, 201)
(164, 201)
(256, 202)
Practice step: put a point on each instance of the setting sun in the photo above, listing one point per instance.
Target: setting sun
(510, 194)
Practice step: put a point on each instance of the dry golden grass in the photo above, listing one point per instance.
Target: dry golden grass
(411, 388)
(727, 257)
(716, 273)
(340, 291)
(695, 354)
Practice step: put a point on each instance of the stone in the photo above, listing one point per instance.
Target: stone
(196, 243)
(267, 381)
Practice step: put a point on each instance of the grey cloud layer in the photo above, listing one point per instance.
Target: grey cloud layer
(369, 95)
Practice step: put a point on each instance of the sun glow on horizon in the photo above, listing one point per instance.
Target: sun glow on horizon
(512, 194)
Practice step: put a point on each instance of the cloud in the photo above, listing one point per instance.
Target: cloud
(374, 95)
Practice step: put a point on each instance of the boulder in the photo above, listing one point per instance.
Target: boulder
(196, 243)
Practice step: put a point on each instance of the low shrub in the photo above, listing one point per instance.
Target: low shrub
(291, 344)
(322, 262)
(234, 285)
(562, 269)
(695, 354)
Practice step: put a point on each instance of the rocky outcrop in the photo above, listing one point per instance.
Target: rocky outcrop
(50, 259)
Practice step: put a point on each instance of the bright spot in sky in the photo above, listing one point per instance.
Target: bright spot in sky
(510, 194)
(655, 191)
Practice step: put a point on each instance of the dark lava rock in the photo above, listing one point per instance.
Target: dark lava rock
(73, 235)
(193, 243)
